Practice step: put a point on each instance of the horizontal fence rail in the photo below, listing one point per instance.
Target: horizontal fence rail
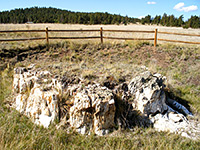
(116, 38)
(9, 31)
(89, 37)
(186, 42)
(178, 34)
(101, 36)
(74, 30)
(129, 31)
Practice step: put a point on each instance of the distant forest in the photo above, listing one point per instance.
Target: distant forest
(54, 15)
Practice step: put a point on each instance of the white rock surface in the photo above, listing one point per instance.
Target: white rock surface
(36, 95)
(151, 100)
(148, 92)
(176, 123)
(93, 110)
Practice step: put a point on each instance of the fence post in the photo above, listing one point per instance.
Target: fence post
(47, 36)
(101, 35)
(155, 38)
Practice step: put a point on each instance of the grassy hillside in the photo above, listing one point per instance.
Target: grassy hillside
(95, 62)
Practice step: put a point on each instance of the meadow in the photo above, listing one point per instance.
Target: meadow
(79, 34)
(180, 63)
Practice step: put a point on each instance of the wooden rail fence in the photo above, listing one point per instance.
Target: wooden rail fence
(101, 37)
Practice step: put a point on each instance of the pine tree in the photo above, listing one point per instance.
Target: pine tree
(164, 19)
(156, 20)
(180, 21)
(171, 21)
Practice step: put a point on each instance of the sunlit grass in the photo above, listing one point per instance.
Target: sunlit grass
(93, 61)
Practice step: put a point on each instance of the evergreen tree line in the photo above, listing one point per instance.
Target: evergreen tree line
(54, 15)
(172, 21)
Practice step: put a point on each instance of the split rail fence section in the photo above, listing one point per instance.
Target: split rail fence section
(101, 37)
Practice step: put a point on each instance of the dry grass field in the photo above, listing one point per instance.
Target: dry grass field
(79, 34)
(180, 63)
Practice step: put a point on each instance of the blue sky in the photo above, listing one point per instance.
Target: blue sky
(132, 8)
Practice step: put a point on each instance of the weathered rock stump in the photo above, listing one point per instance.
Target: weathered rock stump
(36, 95)
(94, 107)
